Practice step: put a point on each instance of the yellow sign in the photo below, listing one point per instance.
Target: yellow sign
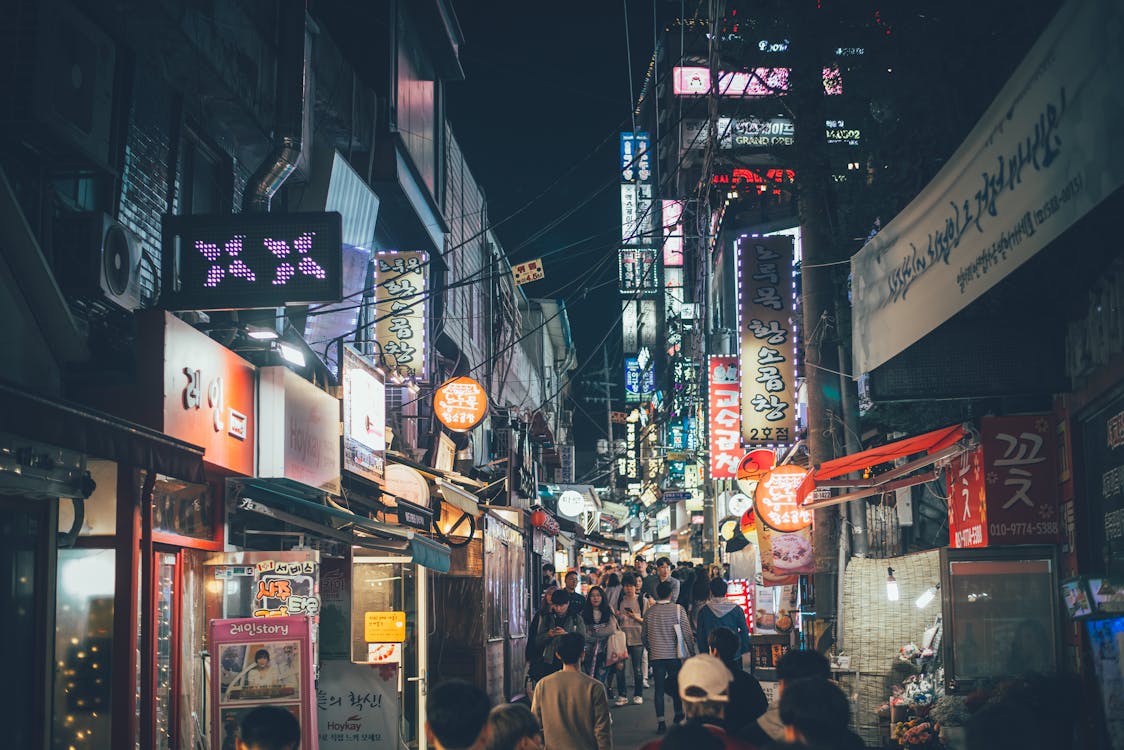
(384, 627)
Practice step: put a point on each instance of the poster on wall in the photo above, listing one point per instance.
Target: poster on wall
(256, 663)
(289, 587)
(400, 309)
(1021, 477)
(784, 555)
(766, 310)
(357, 706)
(724, 391)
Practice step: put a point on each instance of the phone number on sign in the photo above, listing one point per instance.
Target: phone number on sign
(1016, 529)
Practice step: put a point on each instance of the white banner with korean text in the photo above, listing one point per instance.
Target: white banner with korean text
(1044, 153)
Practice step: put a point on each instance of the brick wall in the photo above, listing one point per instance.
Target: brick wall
(874, 628)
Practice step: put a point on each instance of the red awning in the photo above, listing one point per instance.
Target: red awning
(934, 444)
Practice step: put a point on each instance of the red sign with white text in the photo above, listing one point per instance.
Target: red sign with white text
(725, 423)
(1020, 473)
(740, 592)
(967, 513)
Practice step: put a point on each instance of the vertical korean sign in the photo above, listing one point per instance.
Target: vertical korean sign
(967, 513)
(1020, 473)
(768, 339)
(725, 417)
(256, 663)
(400, 311)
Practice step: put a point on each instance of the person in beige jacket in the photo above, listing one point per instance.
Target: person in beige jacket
(572, 707)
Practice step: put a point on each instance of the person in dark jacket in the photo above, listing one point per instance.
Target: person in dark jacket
(747, 699)
(555, 624)
(720, 612)
(816, 712)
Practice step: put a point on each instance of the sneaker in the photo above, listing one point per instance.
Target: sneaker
(661, 728)
(638, 700)
(621, 701)
(678, 719)
(646, 685)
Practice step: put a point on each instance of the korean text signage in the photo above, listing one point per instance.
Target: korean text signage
(1040, 158)
(775, 499)
(300, 430)
(258, 662)
(967, 510)
(638, 383)
(638, 269)
(1103, 450)
(1021, 478)
(636, 159)
(247, 260)
(364, 417)
(725, 423)
(768, 351)
(740, 592)
(358, 706)
(638, 324)
(637, 220)
(208, 396)
(384, 627)
(672, 233)
(400, 310)
(460, 404)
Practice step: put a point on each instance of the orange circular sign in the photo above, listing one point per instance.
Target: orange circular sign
(756, 463)
(776, 502)
(460, 404)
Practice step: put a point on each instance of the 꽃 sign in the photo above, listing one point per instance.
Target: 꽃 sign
(460, 404)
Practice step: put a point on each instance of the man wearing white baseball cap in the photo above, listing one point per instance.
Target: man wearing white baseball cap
(704, 688)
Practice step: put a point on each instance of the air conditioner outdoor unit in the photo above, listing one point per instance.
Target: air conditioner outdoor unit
(97, 258)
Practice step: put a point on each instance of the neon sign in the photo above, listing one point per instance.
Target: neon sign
(243, 261)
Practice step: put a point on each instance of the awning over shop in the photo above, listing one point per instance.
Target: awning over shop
(98, 435)
(462, 500)
(267, 499)
(602, 542)
(936, 446)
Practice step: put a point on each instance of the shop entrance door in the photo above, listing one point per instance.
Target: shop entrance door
(395, 584)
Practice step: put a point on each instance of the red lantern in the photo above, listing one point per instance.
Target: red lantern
(538, 518)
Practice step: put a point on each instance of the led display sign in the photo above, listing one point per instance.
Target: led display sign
(251, 260)
(695, 81)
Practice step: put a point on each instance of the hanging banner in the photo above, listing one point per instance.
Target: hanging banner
(636, 159)
(724, 424)
(967, 510)
(785, 556)
(639, 384)
(638, 270)
(766, 303)
(258, 663)
(460, 404)
(400, 311)
(1020, 471)
(1041, 157)
(638, 324)
(358, 706)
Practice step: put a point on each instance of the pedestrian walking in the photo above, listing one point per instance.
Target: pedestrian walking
(268, 728)
(794, 665)
(577, 601)
(557, 623)
(666, 633)
(532, 652)
(612, 590)
(456, 713)
(663, 573)
(815, 711)
(600, 623)
(548, 575)
(571, 707)
(512, 726)
(720, 612)
(630, 616)
(747, 699)
(704, 688)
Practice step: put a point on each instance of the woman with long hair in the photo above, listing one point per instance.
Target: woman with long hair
(600, 623)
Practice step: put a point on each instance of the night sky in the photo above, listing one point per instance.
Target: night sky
(546, 93)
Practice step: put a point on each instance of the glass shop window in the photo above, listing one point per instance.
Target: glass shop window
(83, 648)
(183, 508)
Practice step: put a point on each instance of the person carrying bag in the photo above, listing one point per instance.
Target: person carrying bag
(667, 634)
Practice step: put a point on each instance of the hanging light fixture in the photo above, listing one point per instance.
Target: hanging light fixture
(926, 596)
(891, 586)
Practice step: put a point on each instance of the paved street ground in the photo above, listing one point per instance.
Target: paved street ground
(634, 726)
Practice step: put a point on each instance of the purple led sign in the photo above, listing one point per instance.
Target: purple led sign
(241, 261)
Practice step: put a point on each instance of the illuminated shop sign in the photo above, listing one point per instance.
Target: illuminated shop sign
(400, 286)
(250, 260)
(725, 423)
(763, 132)
(672, 213)
(636, 160)
(638, 323)
(766, 304)
(364, 416)
(638, 271)
(638, 381)
(695, 81)
(761, 180)
(637, 220)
